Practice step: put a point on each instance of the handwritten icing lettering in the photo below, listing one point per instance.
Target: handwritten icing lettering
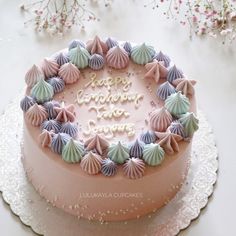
(109, 82)
(103, 112)
(110, 130)
(101, 98)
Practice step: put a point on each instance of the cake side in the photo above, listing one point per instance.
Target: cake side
(106, 199)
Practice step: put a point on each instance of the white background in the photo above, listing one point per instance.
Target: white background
(213, 65)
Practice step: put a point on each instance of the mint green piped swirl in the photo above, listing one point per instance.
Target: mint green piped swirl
(142, 54)
(177, 104)
(118, 153)
(153, 154)
(79, 56)
(73, 151)
(190, 123)
(42, 91)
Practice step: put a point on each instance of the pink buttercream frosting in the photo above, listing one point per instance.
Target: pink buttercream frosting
(156, 70)
(36, 114)
(98, 143)
(69, 73)
(185, 86)
(33, 75)
(160, 119)
(45, 138)
(91, 163)
(49, 67)
(169, 141)
(65, 113)
(117, 58)
(97, 46)
(134, 168)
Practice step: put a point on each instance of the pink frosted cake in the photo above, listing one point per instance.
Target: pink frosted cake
(107, 129)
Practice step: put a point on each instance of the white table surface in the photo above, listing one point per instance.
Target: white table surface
(213, 65)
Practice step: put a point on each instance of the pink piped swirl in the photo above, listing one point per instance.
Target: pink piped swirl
(117, 58)
(33, 75)
(36, 114)
(160, 119)
(65, 113)
(134, 168)
(69, 73)
(49, 67)
(91, 163)
(45, 138)
(97, 46)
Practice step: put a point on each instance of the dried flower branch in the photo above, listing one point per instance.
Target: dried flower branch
(214, 18)
(59, 16)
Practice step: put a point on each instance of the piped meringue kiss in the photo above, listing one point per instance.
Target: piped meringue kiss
(98, 143)
(74, 43)
(117, 58)
(62, 58)
(142, 54)
(69, 73)
(153, 154)
(96, 62)
(57, 83)
(165, 90)
(26, 103)
(177, 104)
(185, 86)
(163, 57)
(45, 138)
(174, 73)
(118, 153)
(109, 167)
(134, 168)
(97, 46)
(36, 115)
(42, 91)
(160, 119)
(73, 151)
(33, 75)
(110, 42)
(155, 70)
(169, 141)
(79, 56)
(190, 123)
(91, 163)
(49, 67)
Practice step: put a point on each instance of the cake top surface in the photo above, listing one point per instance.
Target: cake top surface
(106, 104)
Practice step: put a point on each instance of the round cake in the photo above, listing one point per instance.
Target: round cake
(107, 129)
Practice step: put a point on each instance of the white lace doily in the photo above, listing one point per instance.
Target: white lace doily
(47, 220)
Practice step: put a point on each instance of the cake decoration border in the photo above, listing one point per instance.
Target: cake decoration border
(51, 78)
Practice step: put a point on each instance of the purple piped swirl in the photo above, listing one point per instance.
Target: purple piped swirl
(74, 43)
(148, 137)
(109, 167)
(26, 103)
(177, 128)
(162, 57)
(70, 129)
(96, 62)
(62, 58)
(57, 83)
(136, 149)
(59, 141)
(165, 90)
(174, 73)
(50, 108)
(110, 42)
(53, 125)
(128, 48)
